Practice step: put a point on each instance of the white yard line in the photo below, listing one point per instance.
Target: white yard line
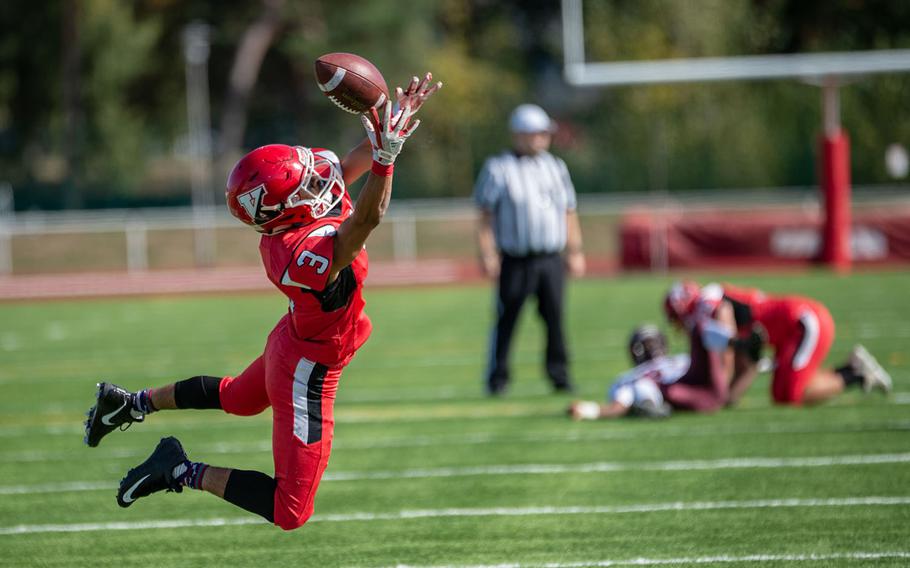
(73, 486)
(592, 435)
(607, 467)
(722, 559)
(535, 469)
(480, 512)
(343, 415)
(572, 436)
(129, 525)
(37, 456)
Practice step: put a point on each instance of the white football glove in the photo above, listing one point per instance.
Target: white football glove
(388, 133)
(585, 410)
(417, 92)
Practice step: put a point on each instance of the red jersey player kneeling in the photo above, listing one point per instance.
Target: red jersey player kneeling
(312, 249)
(799, 329)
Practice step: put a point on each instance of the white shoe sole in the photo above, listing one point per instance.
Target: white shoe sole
(874, 374)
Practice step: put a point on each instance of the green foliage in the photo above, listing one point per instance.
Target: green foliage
(118, 50)
(491, 55)
(739, 134)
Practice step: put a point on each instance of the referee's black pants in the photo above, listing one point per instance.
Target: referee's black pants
(519, 277)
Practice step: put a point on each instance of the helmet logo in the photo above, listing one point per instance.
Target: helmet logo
(251, 201)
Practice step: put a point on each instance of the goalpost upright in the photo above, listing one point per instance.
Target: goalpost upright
(825, 69)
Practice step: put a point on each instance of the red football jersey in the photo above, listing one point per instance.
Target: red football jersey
(777, 314)
(327, 319)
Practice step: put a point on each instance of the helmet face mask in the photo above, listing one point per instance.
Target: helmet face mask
(321, 187)
(647, 343)
(276, 187)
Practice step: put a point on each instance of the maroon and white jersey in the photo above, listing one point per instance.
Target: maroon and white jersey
(714, 336)
(327, 319)
(644, 382)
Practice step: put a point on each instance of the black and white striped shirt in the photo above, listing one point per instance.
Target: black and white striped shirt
(528, 197)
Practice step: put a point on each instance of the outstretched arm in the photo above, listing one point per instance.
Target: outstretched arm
(356, 162)
(369, 210)
(373, 200)
(590, 410)
(386, 133)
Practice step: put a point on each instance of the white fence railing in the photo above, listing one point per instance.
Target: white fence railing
(402, 220)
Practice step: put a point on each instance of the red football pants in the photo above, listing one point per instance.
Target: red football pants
(799, 354)
(302, 396)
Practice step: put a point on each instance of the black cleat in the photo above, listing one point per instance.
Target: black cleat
(113, 409)
(154, 474)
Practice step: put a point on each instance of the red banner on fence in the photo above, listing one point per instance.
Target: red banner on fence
(765, 238)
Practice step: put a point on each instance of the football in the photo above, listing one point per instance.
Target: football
(351, 82)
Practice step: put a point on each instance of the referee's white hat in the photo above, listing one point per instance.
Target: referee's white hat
(529, 118)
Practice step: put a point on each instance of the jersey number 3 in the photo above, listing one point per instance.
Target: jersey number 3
(320, 263)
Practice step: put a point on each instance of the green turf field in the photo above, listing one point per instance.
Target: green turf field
(427, 472)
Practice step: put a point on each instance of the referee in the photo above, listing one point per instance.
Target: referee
(528, 235)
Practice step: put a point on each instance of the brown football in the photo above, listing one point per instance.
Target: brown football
(351, 82)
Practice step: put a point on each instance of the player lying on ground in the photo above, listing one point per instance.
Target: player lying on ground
(799, 329)
(312, 251)
(660, 382)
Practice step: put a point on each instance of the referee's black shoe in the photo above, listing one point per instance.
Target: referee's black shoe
(496, 387)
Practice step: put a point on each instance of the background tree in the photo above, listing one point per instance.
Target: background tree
(93, 112)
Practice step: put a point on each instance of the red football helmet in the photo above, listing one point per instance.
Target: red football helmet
(277, 186)
(680, 300)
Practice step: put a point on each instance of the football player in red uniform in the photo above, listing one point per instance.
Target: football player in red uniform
(799, 329)
(312, 248)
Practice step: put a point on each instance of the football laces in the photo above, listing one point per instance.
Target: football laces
(341, 105)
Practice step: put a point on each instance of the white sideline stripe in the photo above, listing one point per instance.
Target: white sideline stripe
(345, 415)
(588, 435)
(722, 559)
(74, 486)
(129, 525)
(535, 469)
(606, 467)
(479, 512)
